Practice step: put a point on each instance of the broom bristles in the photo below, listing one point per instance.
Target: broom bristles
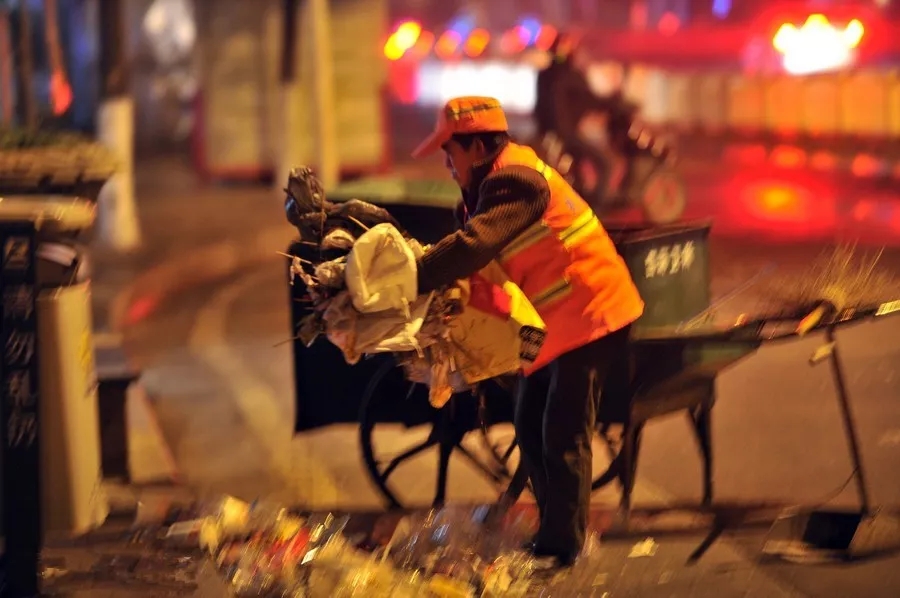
(843, 277)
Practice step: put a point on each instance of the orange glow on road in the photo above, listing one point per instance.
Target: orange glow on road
(795, 206)
(785, 156)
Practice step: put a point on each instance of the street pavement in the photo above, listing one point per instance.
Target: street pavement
(218, 372)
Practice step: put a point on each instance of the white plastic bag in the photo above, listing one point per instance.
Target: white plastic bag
(381, 271)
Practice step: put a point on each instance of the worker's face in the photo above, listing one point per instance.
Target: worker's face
(459, 161)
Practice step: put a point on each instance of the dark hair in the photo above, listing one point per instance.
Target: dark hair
(491, 141)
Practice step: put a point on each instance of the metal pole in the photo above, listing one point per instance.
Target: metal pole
(289, 41)
(118, 220)
(291, 131)
(323, 89)
(26, 99)
(6, 70)
(849, 422)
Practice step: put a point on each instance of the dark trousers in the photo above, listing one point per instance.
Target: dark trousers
(555, 420)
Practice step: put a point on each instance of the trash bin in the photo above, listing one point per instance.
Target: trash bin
(51, 383)
(670, 267)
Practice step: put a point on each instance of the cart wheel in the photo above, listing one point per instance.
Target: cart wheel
(449, 426)
(664, 197)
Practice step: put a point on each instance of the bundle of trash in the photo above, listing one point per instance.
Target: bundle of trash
(359, 271)
(266, 551)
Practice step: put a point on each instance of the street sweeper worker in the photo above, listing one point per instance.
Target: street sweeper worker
(523, 214)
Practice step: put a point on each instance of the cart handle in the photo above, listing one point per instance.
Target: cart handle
(818, 318)
(823, 316)
(811, 320)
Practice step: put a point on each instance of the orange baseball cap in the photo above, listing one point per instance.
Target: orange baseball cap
(469, 114)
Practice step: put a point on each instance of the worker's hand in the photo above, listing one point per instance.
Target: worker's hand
(811, 320)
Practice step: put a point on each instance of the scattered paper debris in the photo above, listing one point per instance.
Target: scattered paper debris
(646, 547)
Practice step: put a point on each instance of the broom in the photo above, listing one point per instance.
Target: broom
(839, 280)
(835, 286)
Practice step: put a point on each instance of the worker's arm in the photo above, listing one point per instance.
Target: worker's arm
(511, 199)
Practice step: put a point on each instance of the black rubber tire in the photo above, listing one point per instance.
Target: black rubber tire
(449, 426)
(368, 415)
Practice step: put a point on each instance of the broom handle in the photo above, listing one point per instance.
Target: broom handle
(849, 422)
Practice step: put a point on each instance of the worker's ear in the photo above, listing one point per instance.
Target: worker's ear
(479, 149)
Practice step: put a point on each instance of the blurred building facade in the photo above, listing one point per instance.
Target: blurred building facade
(175, 46)
(615, 14)
(161, 38)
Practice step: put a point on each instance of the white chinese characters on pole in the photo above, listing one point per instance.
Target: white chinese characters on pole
(22, 429)
(19, 348)
(669, 259)
(16, 253)
(18, 302)
(18, 390)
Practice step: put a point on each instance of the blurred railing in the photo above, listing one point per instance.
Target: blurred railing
(856, 111)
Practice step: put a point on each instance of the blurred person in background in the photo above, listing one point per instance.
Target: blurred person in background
(517, 210)
(564, 99)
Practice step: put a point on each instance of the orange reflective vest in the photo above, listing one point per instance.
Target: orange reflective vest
(568, 267)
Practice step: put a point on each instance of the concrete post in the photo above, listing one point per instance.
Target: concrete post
(118, 225)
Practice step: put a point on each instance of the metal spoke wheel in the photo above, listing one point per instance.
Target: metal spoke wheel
(390, 399)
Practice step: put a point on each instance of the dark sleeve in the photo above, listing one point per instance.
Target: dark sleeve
(460, 214)
(511, 199)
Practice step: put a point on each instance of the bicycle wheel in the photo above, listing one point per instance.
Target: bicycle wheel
(389, 399)
(663, 198)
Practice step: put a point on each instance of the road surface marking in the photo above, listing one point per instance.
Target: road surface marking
(890, 438)
(307, 479)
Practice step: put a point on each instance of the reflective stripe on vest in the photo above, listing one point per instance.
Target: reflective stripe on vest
(554, 291)
(582, 227)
